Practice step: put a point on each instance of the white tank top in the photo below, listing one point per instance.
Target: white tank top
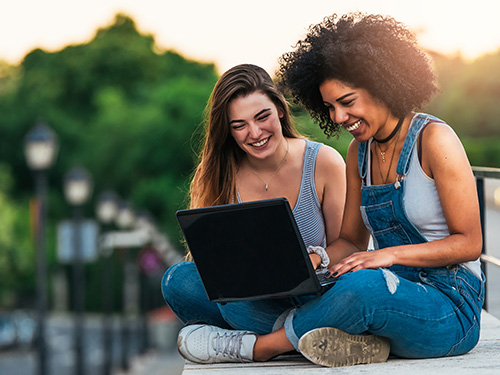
(423, 206)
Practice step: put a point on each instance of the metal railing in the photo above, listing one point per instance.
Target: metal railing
(481, 173)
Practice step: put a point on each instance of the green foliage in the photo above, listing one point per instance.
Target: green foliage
(470, 94)
(121, 108)
(312, 131)
(16, 255)
(483, 152)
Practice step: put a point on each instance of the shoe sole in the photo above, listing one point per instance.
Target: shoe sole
(331, 347)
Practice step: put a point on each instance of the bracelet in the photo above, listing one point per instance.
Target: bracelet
(325, 259)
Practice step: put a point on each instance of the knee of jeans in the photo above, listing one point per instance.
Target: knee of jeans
(357, 293)
(170, 280)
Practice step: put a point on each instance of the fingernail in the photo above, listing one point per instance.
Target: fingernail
(334, 274)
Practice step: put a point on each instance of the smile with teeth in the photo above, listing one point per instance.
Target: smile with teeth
(260, 143)
(353, 126)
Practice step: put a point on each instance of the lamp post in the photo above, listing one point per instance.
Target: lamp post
(124, 220)
(77, 190)
(146, 222)
(106, 211)
(40, 148)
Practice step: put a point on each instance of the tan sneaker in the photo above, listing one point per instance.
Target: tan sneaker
(332, 347)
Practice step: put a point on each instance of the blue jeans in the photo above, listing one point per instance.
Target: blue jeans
(183, 291)
(403, 304)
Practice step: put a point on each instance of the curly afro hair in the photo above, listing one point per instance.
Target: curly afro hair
(372, 52)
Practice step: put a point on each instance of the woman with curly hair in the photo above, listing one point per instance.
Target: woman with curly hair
(419, 292)
(409, 185)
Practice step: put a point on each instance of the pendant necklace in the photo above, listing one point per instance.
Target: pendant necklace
(266, 184)
(384, 180)
(387, 139)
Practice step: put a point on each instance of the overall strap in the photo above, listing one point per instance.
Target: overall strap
(362, 159)
(418, 122)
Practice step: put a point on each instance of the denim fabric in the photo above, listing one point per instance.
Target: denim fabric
(183, 291)
(425, 312)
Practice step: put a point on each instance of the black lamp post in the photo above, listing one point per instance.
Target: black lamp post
(40, 147)
(77, 190)
(124, 220)
(106, 211)
(145, 222)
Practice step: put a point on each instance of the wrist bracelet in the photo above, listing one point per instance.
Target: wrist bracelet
(325, 259)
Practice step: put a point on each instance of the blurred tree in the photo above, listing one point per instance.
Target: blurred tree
(16, 255)
(470, 94)
(121, 107)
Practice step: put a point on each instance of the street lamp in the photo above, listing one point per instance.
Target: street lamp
(125, 216)
(77, 190)
(40, 148)
(144, 221)
(125, 219)
(106, 211)
(107, 207)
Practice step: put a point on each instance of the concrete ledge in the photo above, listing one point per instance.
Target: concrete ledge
(483, 359)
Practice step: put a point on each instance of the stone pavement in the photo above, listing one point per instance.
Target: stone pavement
(156, 363)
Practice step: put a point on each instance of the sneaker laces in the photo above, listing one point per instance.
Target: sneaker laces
(229, 344)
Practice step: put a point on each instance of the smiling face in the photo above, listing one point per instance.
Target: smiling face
(356, 110)
(255, 125)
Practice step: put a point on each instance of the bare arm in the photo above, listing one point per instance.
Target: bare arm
(353, 236)
(330, 183)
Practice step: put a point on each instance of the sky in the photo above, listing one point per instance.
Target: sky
(230, 32)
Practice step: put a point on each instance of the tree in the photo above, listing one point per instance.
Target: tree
(121, 107)
(16, 255)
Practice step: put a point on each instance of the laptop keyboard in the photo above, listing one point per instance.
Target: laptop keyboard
(324, 279)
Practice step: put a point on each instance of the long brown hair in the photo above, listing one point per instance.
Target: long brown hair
(214, 179)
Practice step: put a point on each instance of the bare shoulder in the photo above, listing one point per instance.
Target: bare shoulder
(442, 149)
(440, 139)
(439, 130)
(329, 158)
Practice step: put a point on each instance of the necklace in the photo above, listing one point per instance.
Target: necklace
(396, 130)
(393, 133)
(266, 184)
(384, 180)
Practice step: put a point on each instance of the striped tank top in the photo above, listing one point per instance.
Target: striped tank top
(307, 211)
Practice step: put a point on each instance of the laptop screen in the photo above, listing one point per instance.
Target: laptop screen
(248, 250)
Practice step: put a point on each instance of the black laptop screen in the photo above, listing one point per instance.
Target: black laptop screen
(250, 251)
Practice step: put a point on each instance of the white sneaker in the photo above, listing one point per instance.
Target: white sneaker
(202, 343)
(332, 347)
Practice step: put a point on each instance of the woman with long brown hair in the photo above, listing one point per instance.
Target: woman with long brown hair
(253, 152)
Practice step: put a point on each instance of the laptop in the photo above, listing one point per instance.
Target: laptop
(249, 251)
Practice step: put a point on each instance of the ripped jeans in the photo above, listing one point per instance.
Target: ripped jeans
(183, 291)
(425, 313)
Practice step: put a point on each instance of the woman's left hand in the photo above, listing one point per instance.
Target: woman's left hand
(363, 260)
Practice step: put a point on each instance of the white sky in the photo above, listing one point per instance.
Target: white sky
(230, 32)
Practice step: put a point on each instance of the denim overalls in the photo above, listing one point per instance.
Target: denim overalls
(426, 312)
